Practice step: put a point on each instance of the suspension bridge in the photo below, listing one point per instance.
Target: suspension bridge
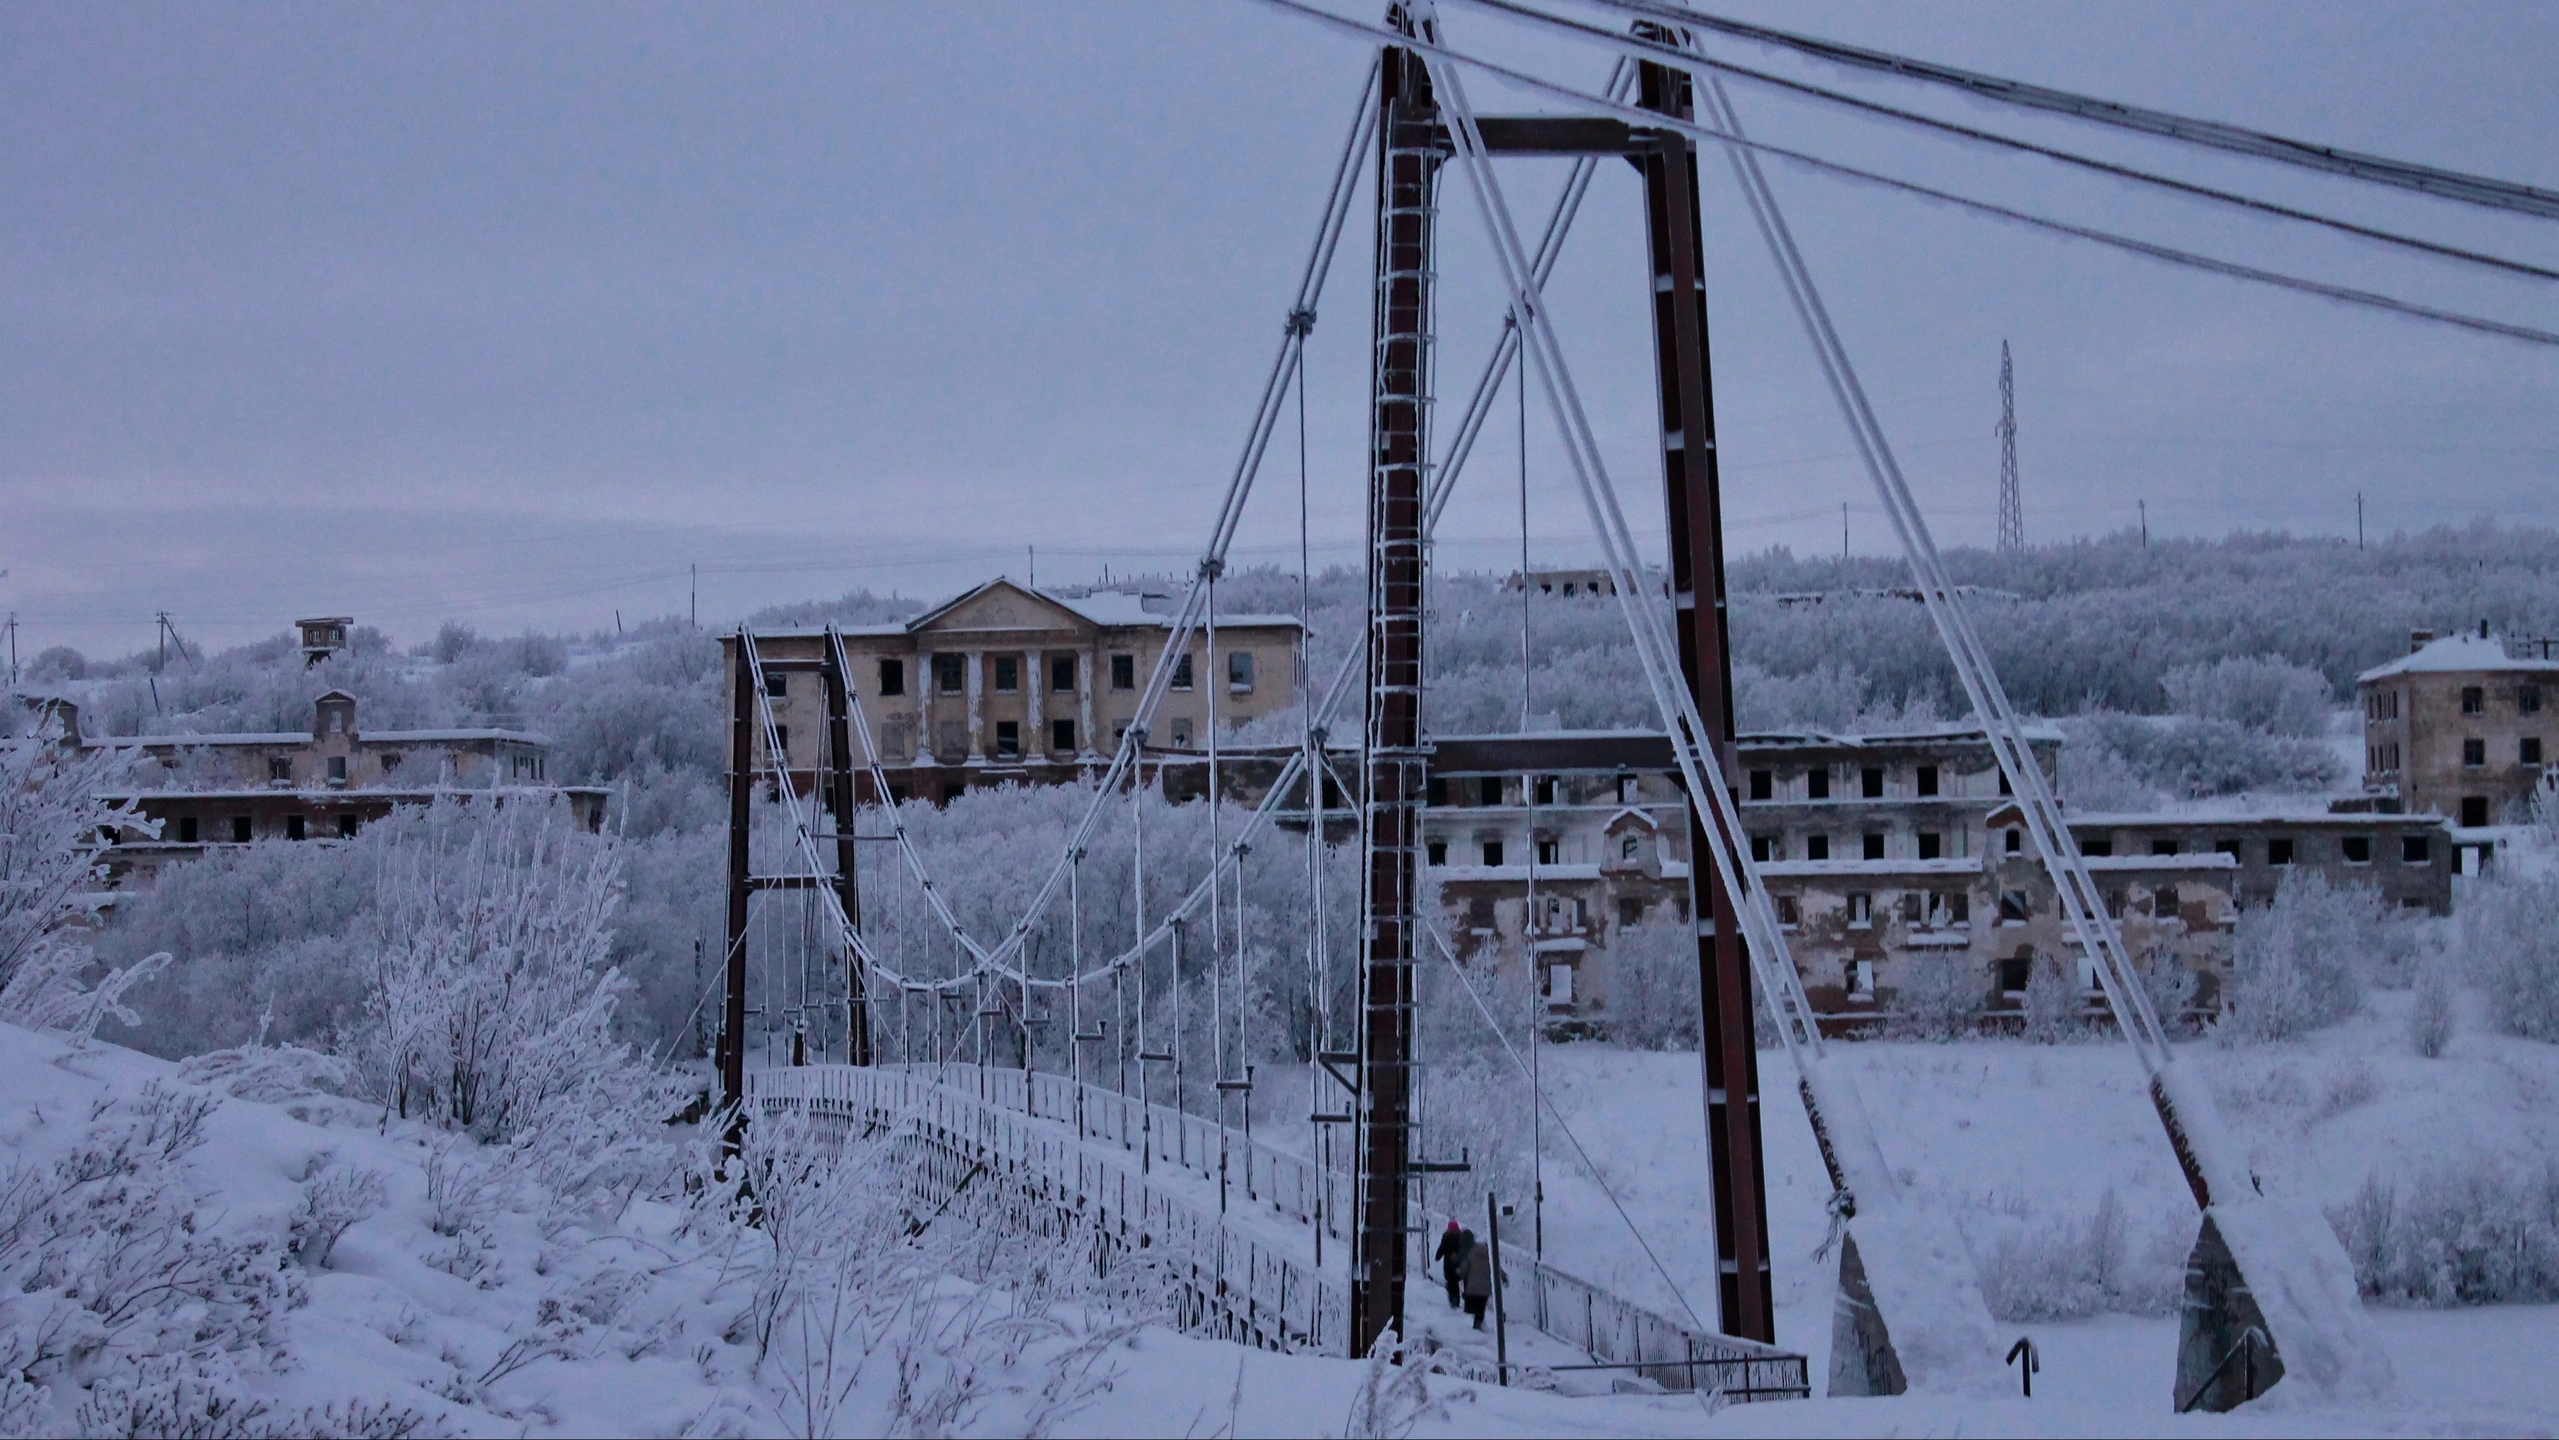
(1305, 1240)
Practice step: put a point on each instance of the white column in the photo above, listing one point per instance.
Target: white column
(977, 706)
(1086, 663)
(1036, 683)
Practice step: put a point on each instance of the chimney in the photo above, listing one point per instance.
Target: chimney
(2419, 640)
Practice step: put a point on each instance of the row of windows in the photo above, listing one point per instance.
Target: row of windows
(2280, 849)
(2381, 705)
(1549, 851)
(1443, 791)
(2382, 759)
(191, 830)
(2474, 699)
(1869, 780)
(1930, 909)
(1931, 846)
(950, 674)
(2474, 752)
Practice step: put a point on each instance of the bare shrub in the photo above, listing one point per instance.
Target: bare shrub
(2430, 1013)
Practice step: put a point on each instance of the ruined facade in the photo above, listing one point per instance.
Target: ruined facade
(2461, 727)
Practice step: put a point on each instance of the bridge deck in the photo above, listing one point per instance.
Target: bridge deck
(1248, 1249)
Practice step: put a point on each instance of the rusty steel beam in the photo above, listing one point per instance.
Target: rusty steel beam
(1410, 149)
(842, 803)
(741, 796)
(1693, 495)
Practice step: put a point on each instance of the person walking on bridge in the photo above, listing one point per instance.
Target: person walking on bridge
(1451, 1255)
(1479, 1280)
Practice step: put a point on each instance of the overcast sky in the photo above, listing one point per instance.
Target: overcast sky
(510, 314)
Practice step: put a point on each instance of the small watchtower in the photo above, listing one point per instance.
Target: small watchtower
(323, 636)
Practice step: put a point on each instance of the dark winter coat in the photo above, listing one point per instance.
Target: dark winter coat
(1479, 1272)
(1453, 1245)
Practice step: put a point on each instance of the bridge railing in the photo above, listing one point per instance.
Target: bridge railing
(1614, 1331)
(1229, 1282)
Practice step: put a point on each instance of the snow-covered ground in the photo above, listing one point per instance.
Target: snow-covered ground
(626, 1324)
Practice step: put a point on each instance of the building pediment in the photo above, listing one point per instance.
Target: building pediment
(999, 605)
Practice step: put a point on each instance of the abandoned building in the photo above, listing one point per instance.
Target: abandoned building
(326, 783)
(2458, 726)
(1010, 685)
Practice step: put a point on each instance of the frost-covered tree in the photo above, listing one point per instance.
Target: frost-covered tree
(2262, 692)
(2511, 929)
(2051, 1003)
(2300, 962)
(52, 824)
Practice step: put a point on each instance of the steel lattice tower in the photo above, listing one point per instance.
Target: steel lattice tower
(2012, 515)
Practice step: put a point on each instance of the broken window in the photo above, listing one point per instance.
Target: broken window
(1492, 852)
(243, 830)
(1488, 791)
(1816, 847)
(186, 829)
(2279, 851)
(1435, 790)
(1061, 735)
(1874, 847)
(2016, 841)
(390, 761)
(2528, 751)
(2528, 699)
(1910, 907)
(2016, 971)
(1549, 852)
(2163, 903)
(1625, 789)
(777, 685)
(1630, 912)
(2013, 907)
(1008, 739)
(294, 828)
(1861, 979)
(950, 674)
(337, 769)
(1182, 673)
(1008, 674)
(1927, 783)
(1763, 785)
(1239, 671)
(2229, 847)
(2474, 811)
(1123, 672)
(346, 827)
(2163, 847)
(2097, 847)
(892, 677)
(2473, 700)
(1437, 851)
(1817, 784)
(1544, 789)
(2474, 753)
(2358, 849)
(1061, 674)
(1790, 911)
(1763, 848)
(1870, 782)
(1932, 845)
(279, 770)
(2413, 850)
(1182, 733)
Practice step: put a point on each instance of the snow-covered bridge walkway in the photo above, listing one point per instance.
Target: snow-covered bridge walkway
(1266, 1250)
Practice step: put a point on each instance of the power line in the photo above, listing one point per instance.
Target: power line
(2432, 180)
(1689, 57)
(2168, 254)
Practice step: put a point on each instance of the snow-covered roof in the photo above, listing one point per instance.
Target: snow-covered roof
(429, 737)
(2455, 653)
(1515, 872)
(358, 792)
(303, 737)
(2262, 815)
(1110, 608)
(1943, 730)
(1806, 869)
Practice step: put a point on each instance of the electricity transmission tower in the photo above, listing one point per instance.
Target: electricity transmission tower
(2012, 518)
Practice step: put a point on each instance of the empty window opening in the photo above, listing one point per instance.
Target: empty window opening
(1438, 852)
(346, 827)
(1870, 782)
(777, 685)
(1874, 847)
(1630, 912)
(1123, 672)
(1488, 791)
(2474, 810)
(1790, 911)
(2163, 902)
(1932, 845)
(2413, 850)
(1763, 848)
(1763, 785)
(2358, 849)
(1817, 784)
(1816, 847)
(2229, 847)
(2528, 699)
(2016, 971)
(1239, 671)
(892, 677)
(1435, 790)
(1008, 674)
(2016, 841)
(1861, 979)
(953, 790)
(1549, 852)
(1545, 789)
(1061, 735)
(1182, 733)
(2013, 907)
(243, 830)
(1625, 789)
(1008, 739)
(2528, 750)
(2163, 847)
(390, 761)
(279, 770)
(1927, 780)
(294, 828)
(2279, 851)
(186, 829)
(782, 735)
(2097, 847)
(1061, 674)
(1492, 852)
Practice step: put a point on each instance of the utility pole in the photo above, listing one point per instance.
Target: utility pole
(2145, 522)
(2359, 519)
(13, 646)
(1411, 146)
(1843, 540)
(2012, 517)
(693, 596)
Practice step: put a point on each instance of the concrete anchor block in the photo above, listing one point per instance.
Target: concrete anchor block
(1862, 1359)
(2225, 1354)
